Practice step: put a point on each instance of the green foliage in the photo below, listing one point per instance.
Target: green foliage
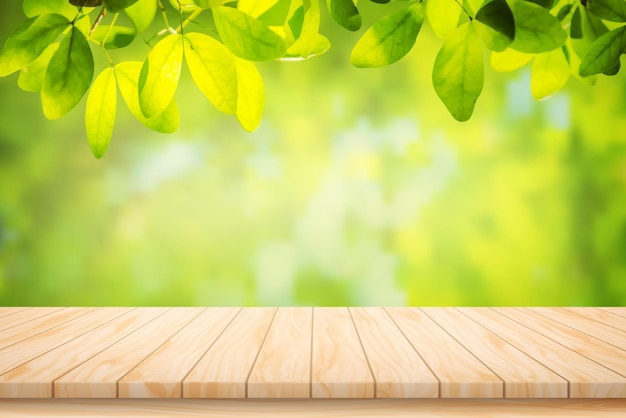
(53, 49)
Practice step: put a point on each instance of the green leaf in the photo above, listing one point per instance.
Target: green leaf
(576, 28)
(550, 73)
(604, 53)
(536, 30)
(250, 95)
(142, 13)
(389, 39)
(458, 73)
(127, 74)
(31, 77)
(345, 13)
(86, 3)
(509, 60)
(309, 42)
(592, 27)
(546, 4)
(113, 37)
(443, 16)
(100, 112)
(213, 69)
(613, 10)
(34, 8)
(116, 6)
(159, 75)
(247, 37)
(29, 41)
(277, 14)
(495, 25)
(68, 76)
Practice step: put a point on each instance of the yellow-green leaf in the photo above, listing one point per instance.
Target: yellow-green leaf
(213, 69)
(550, 73)
(34, 8)
(443, 16)
(345, 13)
(308, 42)
(68, 76)
(100, 112)
(495, 24)
(159, 75)
(604, 53)
(536, 30)
(251, 95)
(458, 73)
(127, 74)
(31, 77)
(509, 60)
(389, 39)
(113, 37)
(142, 14)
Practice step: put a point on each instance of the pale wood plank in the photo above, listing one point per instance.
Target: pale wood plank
(34, 379)
(38, 325)
(223, 370)
(315, 408)
(24, 316)
(587, 325)
(16, 354)
(586, 378)
(603, 353)
(523, 376)
(398, 369)
(283, 366)
(600, 315)
(467, 378)
(339, 367)
(620, 311)
(97, 378)
(160, 375)
(6, 311)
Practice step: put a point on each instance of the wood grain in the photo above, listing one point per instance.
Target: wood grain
(468, 378)
(616, 311)
(160, 375)
(587, 379)
(6, 311)
(398, 370)
(523, 376)
(339, 368)
(599, 315)
(22, 317)
(223, 370)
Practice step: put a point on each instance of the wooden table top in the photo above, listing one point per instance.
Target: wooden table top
(312, 353)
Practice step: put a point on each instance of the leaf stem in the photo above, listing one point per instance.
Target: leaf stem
(189, 19)
(464, 9)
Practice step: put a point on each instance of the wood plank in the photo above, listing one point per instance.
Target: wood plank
(315, 408)
(38, 325)
(97, 378)
(17, 354)
(6, 311)
(600, 352)
(469, 378)
(283, 367)
(24, 316)
(620, 311)
(161, 374)
(589, 326)
(398, 369)
(586, 378)
(35, 378)
(600, 315)
(523, 376)
(339, 367)
(223, 370)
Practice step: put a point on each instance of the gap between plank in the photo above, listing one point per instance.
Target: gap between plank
(259, 351)
(364, 353)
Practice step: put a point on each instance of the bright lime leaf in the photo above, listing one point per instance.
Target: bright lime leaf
(308, 41)
(389, 39)
(115, 6)
(277, 14)
(213, 70)
(29, 41)
(31, 77)
(509, 60)
(321, 46)
(127, 74)
(550, 73)
(113, 37)
(443, 16)
(250, 95)
(34, 8)
(613, 10)
(247, 37)
(142, 14)
(495, 25)
(536, 30)
(563, 12)
(68, 76)
(574, 65)
(160, 75)
(296, 21)
(100, 112)
(604, 53)
(345, 13)
(186, 6)
(208, 4)
(255, 8)
(458, 73)
(546, 4)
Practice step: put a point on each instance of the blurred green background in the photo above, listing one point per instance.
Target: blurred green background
(358, 189)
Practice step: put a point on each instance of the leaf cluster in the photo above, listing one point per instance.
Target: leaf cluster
(53, 50)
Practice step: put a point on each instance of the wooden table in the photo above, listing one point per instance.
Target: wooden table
(308, 361)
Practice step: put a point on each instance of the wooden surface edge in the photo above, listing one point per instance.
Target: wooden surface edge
(313, 408)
